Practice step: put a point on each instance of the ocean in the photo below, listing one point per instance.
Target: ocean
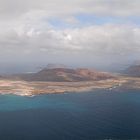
(73, 116)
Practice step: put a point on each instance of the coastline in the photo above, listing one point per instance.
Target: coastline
(25, 88)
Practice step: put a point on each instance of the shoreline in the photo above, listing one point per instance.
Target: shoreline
(33, 88)
(25, 88)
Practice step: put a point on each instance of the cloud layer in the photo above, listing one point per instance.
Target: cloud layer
(26, 30)
(63, 7)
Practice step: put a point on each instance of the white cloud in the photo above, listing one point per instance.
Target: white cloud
(95, 40)
(25, 30)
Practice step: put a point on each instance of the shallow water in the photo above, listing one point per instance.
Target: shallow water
(73, 116)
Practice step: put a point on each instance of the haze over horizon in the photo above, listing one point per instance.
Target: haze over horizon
(93, 33)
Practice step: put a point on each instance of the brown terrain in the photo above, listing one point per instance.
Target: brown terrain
(26, 88)
(64, 80)
(65, 75)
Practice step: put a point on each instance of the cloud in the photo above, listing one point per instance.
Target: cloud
(60, 8)
(25, 30)
(97, 40)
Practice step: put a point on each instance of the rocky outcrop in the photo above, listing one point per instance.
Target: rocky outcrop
(66, 75)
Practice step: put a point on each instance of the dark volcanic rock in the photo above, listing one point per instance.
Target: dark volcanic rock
(133, 71)
(65, 75)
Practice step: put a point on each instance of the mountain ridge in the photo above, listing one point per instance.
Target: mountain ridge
(65, 75)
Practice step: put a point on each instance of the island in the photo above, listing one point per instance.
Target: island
(65, 80)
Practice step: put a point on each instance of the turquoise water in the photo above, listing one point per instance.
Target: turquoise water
(73, 116)
(55, 101)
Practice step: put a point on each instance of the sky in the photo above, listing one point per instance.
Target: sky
(94, 33)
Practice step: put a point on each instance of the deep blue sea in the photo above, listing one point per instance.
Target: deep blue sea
(74, 116)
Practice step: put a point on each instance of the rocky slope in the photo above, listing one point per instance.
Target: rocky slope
(65, 75)
(133, 71)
